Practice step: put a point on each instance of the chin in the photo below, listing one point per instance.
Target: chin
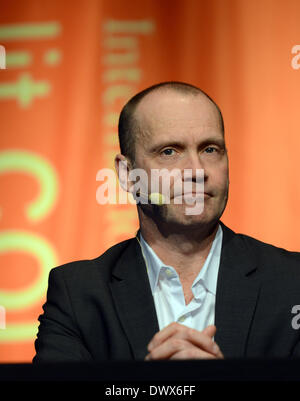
(176, 215)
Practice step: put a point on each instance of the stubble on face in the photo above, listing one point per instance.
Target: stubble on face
(167, 117)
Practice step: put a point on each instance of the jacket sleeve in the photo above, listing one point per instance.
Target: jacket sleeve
(58, 338)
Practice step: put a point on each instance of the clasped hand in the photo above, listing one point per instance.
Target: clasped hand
(177, 341)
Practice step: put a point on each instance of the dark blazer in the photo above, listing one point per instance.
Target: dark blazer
(103, 309)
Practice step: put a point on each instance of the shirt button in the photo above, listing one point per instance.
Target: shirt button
(182, 319)
(169, 272)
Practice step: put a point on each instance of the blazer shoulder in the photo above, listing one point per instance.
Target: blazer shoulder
(103, 263)
(267, 247)
(270, 254)
(260, 252)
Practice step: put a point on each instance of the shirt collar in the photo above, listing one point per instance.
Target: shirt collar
(208, 274)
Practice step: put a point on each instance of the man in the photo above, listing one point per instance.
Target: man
(187, 287)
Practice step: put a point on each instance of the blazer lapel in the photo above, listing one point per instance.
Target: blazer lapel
(133, 299)
(237, 293)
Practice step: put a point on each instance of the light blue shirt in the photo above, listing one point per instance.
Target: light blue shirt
(168, 293)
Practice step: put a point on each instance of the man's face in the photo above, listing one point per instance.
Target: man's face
(183, 131)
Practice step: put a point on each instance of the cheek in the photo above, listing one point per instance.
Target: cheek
(220, 177)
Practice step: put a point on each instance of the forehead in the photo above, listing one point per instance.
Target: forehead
(167, 113)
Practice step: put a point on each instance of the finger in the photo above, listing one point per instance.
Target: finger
(187, 353)
(168, 348)
(165, 333)
(200, 339)
(192, 354)
(176, 344)
(210, 330)
(175, 348)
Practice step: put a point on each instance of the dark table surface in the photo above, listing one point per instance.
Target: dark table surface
(158, 371)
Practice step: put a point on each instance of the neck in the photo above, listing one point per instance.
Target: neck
(184, 248)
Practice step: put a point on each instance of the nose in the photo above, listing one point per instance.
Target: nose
(194, 167)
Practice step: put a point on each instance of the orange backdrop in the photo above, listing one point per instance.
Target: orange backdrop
(71, 65)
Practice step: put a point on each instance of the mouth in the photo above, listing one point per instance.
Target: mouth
(193, 196)
(193, 193)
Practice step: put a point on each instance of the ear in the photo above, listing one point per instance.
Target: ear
(123, 166)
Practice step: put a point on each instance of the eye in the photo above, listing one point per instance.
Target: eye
(211, 149)
(168, 152)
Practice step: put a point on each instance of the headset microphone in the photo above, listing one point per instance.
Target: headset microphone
(155, 198)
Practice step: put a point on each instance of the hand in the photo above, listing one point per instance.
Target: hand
(177, 341)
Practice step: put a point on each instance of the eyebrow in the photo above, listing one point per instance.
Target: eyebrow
(208, 141)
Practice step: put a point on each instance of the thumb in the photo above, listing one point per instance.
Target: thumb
(210, 330)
